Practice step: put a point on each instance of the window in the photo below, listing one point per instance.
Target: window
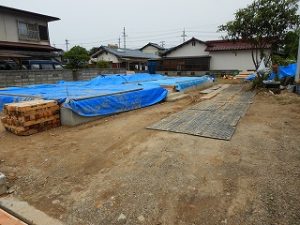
(58, 67)
(35, 66)
(47, 66)
(28, 31)
(193, 43)
(43, 30)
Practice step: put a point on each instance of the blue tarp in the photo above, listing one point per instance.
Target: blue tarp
(111, 104)
(251, 77)
(103, 95)
(285, 71)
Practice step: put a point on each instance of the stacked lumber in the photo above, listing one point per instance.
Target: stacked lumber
(244, 74)
(26, 118)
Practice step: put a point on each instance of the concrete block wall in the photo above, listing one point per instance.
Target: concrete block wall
(26, 77)
(182, 73)
(87, 74)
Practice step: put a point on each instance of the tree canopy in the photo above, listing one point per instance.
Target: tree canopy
(263, 22)
(93, 50)
(291, 43)
(77, 57)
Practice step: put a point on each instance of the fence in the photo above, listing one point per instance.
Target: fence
(27, 77)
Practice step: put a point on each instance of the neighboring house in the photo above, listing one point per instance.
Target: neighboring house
(153, 48)
(188, 56)
(220, 55)
(232, 55)
(25, 35)
(123, 58)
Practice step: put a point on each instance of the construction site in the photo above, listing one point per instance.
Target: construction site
(139, 113)
(204, 151)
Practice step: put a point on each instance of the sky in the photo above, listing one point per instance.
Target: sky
(92, 23)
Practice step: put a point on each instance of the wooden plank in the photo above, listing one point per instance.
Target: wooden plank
(42, 120)
(8, 219)
(216, 92)
(29, 105)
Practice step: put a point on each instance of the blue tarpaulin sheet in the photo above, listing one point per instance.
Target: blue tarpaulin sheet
(103, 95)
(251, 77)
(285, 71)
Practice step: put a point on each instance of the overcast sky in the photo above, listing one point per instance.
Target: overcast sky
(93, 23)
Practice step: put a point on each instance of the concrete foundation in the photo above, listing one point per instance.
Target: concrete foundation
(69, 118)
(3, 187)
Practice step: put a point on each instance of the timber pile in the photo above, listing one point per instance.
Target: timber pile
(244, 74)
(26, 118)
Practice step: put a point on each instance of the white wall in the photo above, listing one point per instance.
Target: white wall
(232, 60)
(150, 49)
(9, 28)
(107, 57)
(189, 50)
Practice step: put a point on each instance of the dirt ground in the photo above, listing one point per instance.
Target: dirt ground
(115, 171)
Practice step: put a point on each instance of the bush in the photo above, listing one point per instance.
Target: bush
(102, 64)
(279, 60)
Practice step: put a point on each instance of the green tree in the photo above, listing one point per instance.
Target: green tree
(263, 22)
(93, 50)
(77, 57)
(291, 43)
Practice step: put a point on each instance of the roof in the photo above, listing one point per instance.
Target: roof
(26, 46)
(28, 13)
(153, 45)
(183, 44)
(230, 45)
(126, 53)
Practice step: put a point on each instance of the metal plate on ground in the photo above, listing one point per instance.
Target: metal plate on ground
(213, 119)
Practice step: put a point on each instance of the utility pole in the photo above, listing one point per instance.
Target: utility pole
(183, 35)
(67, 45)
(119, 42)
(162, 43)
(124, 36)
(297, 76)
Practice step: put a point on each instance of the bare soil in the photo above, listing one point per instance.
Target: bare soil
(93, 173)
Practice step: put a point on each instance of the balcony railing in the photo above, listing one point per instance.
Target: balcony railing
(30, 36)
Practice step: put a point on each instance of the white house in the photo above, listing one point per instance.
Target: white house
(232, 55)
(152, 48)
(219, 55)
(123, 58)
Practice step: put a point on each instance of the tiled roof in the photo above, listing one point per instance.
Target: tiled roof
(154, 45)
(24, 12)
(126, 53)
(21, 45)
(183, 44)
(228, 45)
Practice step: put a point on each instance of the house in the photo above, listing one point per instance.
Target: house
(232, 54)
(123, 58)
(197, 56)
(188, 56)
(152, 48)
(25, 34)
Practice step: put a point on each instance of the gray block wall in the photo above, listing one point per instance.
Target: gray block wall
(26, 77)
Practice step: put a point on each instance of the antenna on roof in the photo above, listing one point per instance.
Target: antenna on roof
(183, 35)
(119, 42)
(162, 43)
